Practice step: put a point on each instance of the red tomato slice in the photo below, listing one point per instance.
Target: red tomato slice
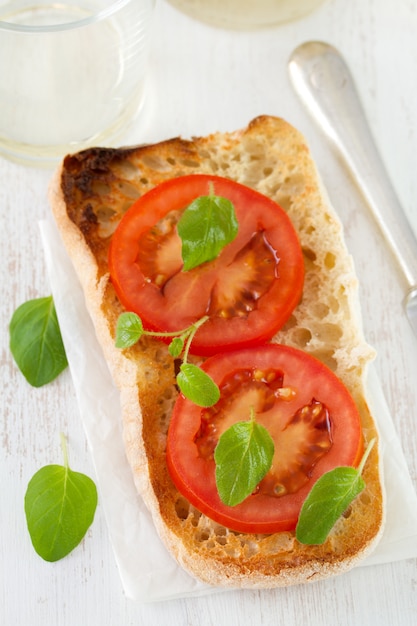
(307, 410)
(249, 291)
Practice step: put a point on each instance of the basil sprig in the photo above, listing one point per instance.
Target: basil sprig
(243, 456)
(59, 505)
(328, 499)
(206, 226)
(193, 382)
(36, 342)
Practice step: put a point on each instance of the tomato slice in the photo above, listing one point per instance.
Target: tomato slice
(248, 292)
(307, 410)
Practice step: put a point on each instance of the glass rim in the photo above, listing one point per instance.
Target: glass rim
(97, 16)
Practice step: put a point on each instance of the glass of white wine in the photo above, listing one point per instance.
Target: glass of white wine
(72, 74)
(245, 14)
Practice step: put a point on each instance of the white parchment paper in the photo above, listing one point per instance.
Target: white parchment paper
(147, 570)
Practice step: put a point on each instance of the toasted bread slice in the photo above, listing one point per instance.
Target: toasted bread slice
(89, 194)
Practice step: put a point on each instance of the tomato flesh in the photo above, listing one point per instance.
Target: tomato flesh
(308, 412)
(249, 291)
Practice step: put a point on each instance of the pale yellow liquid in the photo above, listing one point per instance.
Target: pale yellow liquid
(246, 13)
(61, 91)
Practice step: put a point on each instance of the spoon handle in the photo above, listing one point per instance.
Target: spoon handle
(322, 79)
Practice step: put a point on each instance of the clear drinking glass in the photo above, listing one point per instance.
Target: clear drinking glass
(72, 74)
(245, 14)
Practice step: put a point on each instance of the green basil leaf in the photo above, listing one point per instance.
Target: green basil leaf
(327, 501)
(197, 386)
(207, 225)
(36, 342)
(60, 505)
(243, 456)
(176, 347)
(129, 329)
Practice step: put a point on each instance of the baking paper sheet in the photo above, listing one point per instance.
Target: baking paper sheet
(147, 570)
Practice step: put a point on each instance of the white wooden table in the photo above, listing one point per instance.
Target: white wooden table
(201, 80)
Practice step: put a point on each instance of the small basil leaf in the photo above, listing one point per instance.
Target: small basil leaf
(176, 347)
(59, 505)
(36, 342)
(327, 501)
(197, 386)
(207, 225)
(129, 330)
(243, 456)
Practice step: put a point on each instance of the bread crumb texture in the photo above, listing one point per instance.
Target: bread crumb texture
(89, 196)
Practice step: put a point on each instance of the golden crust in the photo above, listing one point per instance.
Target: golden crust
(89, 194)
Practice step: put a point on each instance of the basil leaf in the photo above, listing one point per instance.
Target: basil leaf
(129, 329)
(207, 225)
(59, 505)
(197, 386)
(243, 456)
(36, 342)
(327, 501)
(176, 347)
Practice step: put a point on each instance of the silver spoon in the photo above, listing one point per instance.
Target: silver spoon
(324, 83)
